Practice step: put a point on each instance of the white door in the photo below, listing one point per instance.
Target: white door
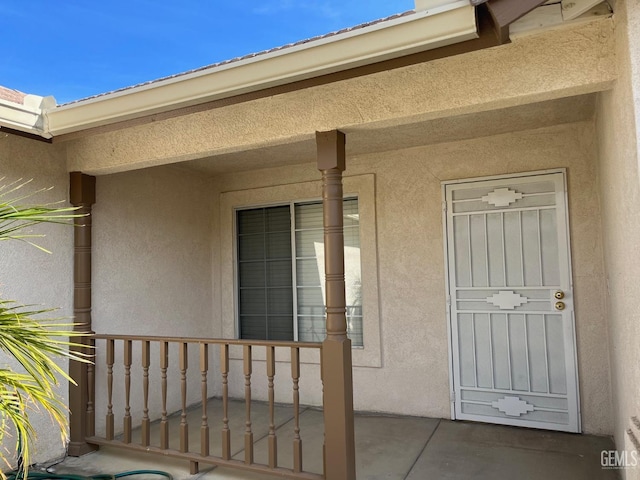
(510, 302)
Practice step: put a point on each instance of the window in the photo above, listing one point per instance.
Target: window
(281, 272)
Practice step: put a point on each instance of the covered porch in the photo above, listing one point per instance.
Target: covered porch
(332, 355)
(408, 137)
(165, 256)
(166, 262)
(389, 447)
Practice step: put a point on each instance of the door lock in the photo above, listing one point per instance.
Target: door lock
(559, 305)
(559, 295)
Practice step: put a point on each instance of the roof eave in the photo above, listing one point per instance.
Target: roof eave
(26, 117)
(408, 34)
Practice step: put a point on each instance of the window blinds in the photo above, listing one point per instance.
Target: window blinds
(265, 298)
(267, 255)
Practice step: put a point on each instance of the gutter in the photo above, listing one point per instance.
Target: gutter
(397, 37)
(27, 117)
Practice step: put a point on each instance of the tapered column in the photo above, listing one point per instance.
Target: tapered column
(81, 396)
(336, 349)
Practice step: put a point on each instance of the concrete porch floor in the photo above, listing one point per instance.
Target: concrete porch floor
(387, 447)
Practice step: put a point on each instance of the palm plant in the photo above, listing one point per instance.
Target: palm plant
(33, 343)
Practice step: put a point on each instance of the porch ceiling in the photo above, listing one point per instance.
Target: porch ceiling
(363, 140)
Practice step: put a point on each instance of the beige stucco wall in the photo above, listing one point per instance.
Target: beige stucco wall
(411, 356)
(410, 261)
(154, 229)
(618, 122)
(151, 272)
(163, 264)
(30, 276)
(633, 34)
(572, 60)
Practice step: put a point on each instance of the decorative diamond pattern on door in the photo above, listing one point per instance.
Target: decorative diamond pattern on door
(502, 197)
(507, 300)
(512, 406)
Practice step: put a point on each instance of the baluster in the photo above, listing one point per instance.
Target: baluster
(146, 424)
(204, 428)
(110, 361)
(91, 390)
(164, 422)
(297, 441)
(324, 435)
(184, 427)
(273, 440)
(248, 434)
(226, 433)
(127, 390)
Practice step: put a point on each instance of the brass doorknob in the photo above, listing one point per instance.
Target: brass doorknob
(559, 294)
(559, 305)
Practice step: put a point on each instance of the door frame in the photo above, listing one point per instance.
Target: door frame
(449, 319)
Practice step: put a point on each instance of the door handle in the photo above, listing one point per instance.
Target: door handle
(559, 305)
(559, 295)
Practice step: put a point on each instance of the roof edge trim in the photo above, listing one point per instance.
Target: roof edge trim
(419, 31)
(26, 117)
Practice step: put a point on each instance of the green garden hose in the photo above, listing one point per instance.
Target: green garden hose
(16, 475)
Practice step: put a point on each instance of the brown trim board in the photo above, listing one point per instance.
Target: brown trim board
(20, 133)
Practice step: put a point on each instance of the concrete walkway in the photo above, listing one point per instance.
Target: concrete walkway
(387, 447)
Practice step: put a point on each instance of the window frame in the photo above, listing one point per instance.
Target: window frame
(293, 244)
(259, 193)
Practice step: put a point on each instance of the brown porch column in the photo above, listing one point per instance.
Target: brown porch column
(339, 448)
(82, 193)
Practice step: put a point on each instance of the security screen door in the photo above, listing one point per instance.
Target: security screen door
(510, 302)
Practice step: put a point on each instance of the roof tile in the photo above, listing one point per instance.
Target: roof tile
(11, 95)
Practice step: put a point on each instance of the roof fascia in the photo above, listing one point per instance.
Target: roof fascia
(505, 12)
(486, 39)
(420, 31)
(21, 133)
(26, 117)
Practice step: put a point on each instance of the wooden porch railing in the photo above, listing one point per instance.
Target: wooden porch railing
(119, 351)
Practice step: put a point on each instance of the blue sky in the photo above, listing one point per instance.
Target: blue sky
(72, 49)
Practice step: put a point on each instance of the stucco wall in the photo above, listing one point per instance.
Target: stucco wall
(163, 265)
(410, 260)
(153, 263)
(30, 276)
(561, 62)
(617, 127)
(151, 272)
(633, 34)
